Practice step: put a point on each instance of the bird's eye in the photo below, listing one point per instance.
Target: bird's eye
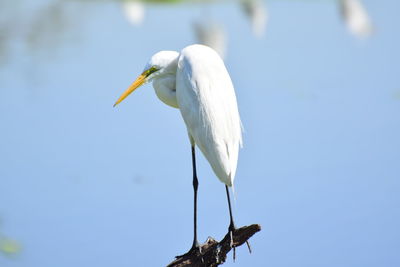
(150, 71)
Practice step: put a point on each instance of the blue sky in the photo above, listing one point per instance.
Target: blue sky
(84, 184)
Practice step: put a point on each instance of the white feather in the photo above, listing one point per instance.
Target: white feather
(207, 102)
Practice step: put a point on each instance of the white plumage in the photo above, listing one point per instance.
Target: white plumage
(207, 102)
(197, 83)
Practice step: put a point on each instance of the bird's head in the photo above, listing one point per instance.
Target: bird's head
(161, 63)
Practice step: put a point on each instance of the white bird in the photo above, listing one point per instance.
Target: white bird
(197, 83)
(356, 17)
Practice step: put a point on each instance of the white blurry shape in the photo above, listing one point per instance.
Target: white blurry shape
(212, 34)
(356, 18)
(256, 11)
(134, 11)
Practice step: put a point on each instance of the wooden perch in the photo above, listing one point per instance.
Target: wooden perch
(213, 253)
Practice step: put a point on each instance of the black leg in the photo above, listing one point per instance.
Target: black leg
(232, 227)
(232, 224)
(195, 187)
(195, 247)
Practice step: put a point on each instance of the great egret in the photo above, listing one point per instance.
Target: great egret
(197, 83)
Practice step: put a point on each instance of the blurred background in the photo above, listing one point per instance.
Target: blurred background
(85, 184)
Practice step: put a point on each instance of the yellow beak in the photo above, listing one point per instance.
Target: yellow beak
(136, 84)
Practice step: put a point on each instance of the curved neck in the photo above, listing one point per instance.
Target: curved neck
(164, 83)
(165, 88)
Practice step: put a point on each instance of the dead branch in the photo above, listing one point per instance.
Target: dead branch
(213, 253)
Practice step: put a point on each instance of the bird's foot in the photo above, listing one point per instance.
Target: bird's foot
(232, 230)
(248, 246)
(194, 250)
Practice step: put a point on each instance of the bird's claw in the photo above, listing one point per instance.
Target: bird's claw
(248, 246)
(194, 250)
(232, 229)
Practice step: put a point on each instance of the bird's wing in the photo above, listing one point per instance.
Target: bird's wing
(207, 102)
